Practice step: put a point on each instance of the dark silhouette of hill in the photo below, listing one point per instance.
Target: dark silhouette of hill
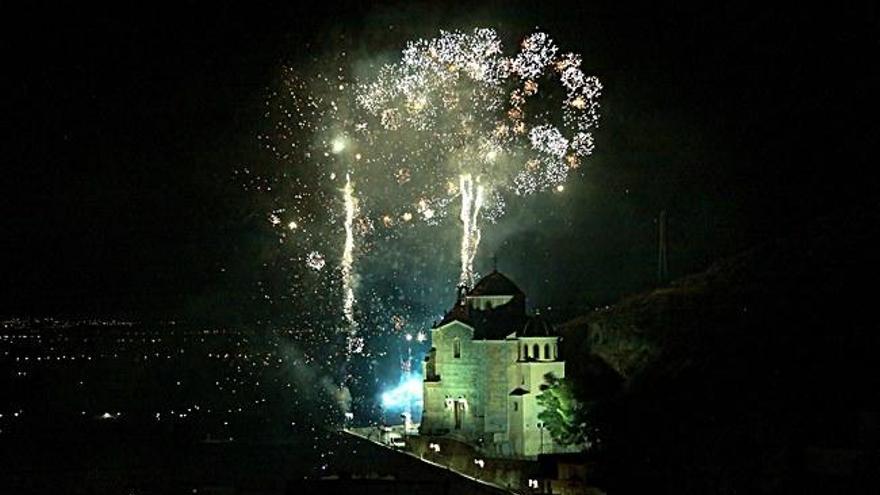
(756, 376)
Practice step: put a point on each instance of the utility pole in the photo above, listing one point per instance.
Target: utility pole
(662, 262)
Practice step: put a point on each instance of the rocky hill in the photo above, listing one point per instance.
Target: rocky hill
(758, 375)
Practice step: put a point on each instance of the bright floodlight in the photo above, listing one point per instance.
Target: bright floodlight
(405, 393)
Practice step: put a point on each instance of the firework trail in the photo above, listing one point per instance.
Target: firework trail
(471, 203)
(348, 299)
(354, 343)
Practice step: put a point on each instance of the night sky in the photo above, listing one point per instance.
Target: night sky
(125, 125)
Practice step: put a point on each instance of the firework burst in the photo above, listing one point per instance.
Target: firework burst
(469, 112)
(361, 166)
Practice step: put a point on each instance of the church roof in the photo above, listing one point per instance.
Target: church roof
(495, 284)
(537, 327)
(492, 323)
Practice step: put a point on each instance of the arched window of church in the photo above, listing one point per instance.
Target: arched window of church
(456, 348)
(536, 351)
(518, 353)
(515, 406)
(525, 352)
(546, 351)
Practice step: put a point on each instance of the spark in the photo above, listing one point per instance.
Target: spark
(315, 261)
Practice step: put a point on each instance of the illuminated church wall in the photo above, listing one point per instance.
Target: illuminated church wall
(485, 369)
(454, 404)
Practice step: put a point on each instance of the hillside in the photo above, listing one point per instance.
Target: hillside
(755, 376)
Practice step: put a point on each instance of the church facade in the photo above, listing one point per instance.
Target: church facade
(485, 369)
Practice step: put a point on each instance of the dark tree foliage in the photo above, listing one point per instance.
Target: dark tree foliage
(563, 416)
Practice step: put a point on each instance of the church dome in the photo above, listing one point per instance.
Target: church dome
(495, 284)
(537, 327)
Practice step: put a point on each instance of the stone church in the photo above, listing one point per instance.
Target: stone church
(485, 368)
